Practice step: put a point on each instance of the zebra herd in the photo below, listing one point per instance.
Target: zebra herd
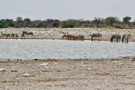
(98, 36)
(118, 38)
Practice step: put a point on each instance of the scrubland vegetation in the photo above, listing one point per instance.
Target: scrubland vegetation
(70, 23)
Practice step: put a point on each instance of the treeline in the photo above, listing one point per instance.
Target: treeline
(71, 23)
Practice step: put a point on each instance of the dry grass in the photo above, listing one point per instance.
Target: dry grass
(129, 83)
(59, 79)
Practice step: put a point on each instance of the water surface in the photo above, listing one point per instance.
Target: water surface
(63, 49)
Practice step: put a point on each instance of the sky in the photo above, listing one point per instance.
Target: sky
(66, 9)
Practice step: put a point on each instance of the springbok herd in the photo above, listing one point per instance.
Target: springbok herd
(73, 37)
(9, 36)
(15, 35)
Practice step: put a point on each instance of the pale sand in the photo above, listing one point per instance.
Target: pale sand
(57, 33)
(79, 74)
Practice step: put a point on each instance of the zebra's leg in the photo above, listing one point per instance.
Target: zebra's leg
(91, 38)
(111, 39)
(116, 39)
(127, 40)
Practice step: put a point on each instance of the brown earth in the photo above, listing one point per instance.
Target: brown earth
(78, 74)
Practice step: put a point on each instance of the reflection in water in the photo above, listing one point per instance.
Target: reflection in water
(63, 49)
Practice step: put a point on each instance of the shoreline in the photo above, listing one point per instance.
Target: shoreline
(61, 39)
(57, 60)
(53, 59)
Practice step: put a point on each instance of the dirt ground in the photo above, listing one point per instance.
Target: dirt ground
(78, 74)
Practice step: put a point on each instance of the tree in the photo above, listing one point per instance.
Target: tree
(19, 19)
(4, 23)
(27, 22)
(9, 22)
(111, 20)
(19, 22)
(52, 23)
(133, 22)
(126, 19)
(37, 23)
(49, 23)
(56, 23)
(97, 21)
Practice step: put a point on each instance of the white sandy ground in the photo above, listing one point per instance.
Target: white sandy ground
(57, 33)
(79, 74)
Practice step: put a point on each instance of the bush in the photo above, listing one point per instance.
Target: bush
(66, 24)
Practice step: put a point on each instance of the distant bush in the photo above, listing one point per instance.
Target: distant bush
(119, 27)
(66, 24)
